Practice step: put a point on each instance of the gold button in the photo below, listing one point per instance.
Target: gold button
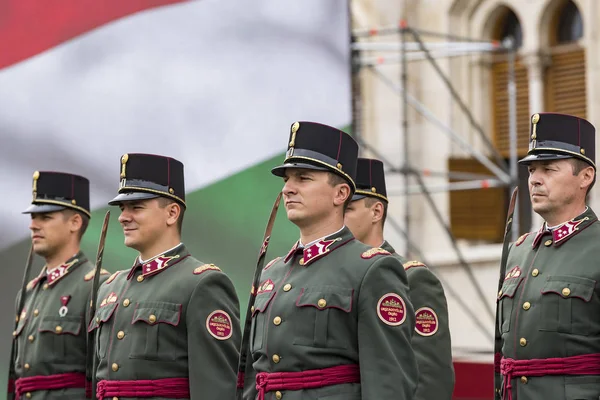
(36, 312)
(322, 303)
(301, 261)
(115, 367)
(523, 379)
(26, 366)
(31, 338)
(58, 329)
(115, 398)
(152, 318)
(500, 293)
(17, 319)
(278, 395)
(14, 333)
(252, 309)
(523, 342)
(535, 272)
(28, 395)
(287, 287)
(526, 305)
(548, 242)
(120, 335)
(140, 278)
(276, 358)
(97, 320)
(45, 286)
(126, 302)
(566, 292)
(277, 320)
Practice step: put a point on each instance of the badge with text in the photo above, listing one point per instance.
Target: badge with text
(64, 301)
(426, 321)
(391, 309)
(219, 325)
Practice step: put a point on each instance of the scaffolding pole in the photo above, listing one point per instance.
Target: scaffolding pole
(512, 121)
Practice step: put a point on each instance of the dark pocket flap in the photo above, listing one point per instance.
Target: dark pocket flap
(61, 325)
(157, 312)
(102, 315)
(324, 298)
(509, 287)
(570, 286)
(262, 302)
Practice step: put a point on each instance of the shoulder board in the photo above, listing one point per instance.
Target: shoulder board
(112, 277)
(206, 267)
(413, 263)
(273, 261)
(374, 252)
(31, 283)
(521, 239)
(90, 275)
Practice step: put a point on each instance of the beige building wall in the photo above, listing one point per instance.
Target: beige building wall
(429, 148)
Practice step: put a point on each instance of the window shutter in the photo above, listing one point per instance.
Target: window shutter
(501, 110)
(565, 86)
(477, 214)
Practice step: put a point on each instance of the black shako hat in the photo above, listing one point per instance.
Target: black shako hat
(55, 191)
(555, 136)
(147, 176)
(370, 180)
(316, 146)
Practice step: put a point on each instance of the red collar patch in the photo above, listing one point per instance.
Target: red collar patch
(317, 250)
(58, 272)
(155, 265)
(566, 230)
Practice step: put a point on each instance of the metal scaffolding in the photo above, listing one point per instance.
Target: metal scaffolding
(408, 46)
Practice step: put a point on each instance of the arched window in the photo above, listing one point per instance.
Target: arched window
(570, 24)
(565, 78)
(509, 26)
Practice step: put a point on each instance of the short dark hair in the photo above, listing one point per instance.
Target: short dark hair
(578, 166)
(370, 201)
(85, 220)
(334, 180)
(164, 201)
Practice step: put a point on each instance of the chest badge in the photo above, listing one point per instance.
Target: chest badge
(64, 310)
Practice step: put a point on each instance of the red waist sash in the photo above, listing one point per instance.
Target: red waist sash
(585, 364)
(69, 380)
(310, 379)
(171, 388)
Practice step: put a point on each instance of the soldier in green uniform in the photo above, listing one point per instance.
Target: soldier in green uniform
(366, 217)
(332, 318)
(548, 336)
(50, 339)
(168, 327)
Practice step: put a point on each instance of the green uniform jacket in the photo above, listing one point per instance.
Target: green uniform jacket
(333, 303)
(172, 317)
(431, 341)
(51, 334)
(548, 308)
